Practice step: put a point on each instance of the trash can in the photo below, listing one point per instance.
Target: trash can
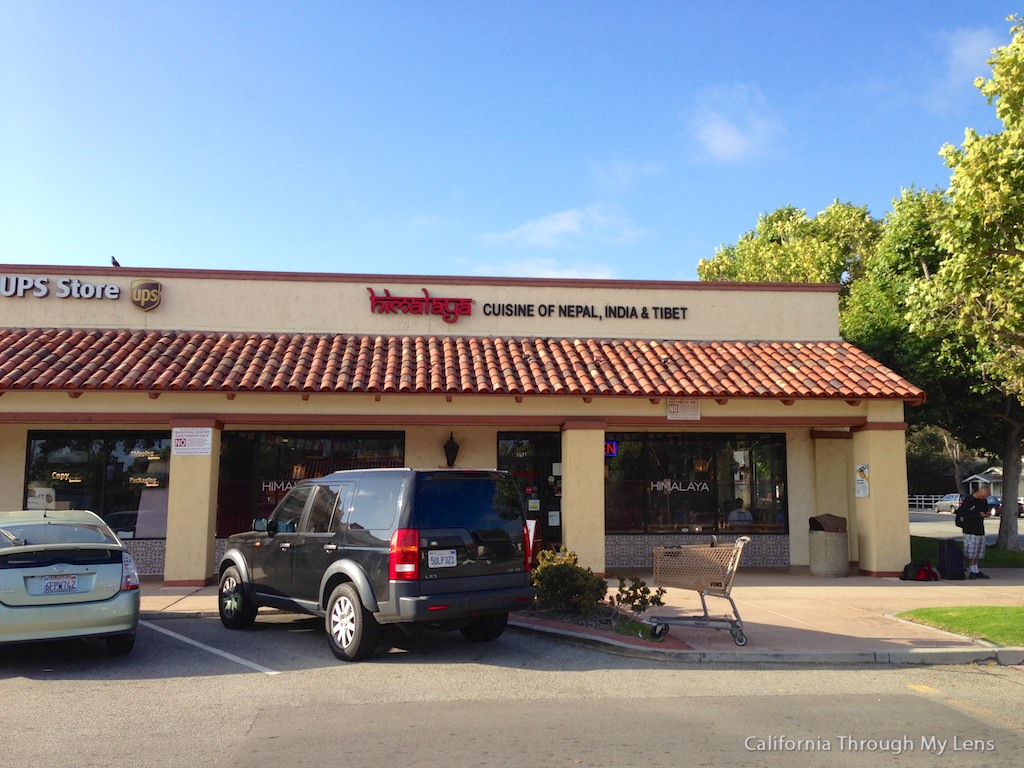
(829, 546)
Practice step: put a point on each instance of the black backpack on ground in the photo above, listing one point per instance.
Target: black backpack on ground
(951, 560)
(919, 570)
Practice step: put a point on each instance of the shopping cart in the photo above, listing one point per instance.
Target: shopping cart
(706, 569)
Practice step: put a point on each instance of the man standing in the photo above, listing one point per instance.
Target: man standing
(973, 512)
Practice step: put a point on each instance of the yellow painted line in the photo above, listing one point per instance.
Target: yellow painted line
(982, 713)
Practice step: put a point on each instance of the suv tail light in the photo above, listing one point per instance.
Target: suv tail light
(528, 546)
(129, 573)
(404, 558)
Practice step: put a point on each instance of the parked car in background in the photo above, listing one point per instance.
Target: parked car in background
(1020, 508)
(949, 503)
(64, 574)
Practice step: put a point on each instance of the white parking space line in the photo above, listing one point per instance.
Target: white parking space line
(211, 649)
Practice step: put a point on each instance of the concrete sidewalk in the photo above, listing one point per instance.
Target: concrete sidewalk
(789, 615)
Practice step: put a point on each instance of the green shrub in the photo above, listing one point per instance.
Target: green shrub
(564, 585)
(637, 596)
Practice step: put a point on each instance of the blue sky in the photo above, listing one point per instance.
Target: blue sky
(538, 139)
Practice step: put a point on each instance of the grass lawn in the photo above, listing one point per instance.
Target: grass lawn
(922, 548)
(997, 624)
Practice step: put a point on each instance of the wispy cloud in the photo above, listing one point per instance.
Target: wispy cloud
(734, 124)
(595, 222)
(620, 177)
(966, 53)
(549, 268)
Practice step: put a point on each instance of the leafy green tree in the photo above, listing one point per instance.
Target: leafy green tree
(936, 461)
(874, 316)
(787, 246)
(936, 290)
(973, 302)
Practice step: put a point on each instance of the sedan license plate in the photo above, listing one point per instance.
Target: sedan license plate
(442, 558)
(53, 585)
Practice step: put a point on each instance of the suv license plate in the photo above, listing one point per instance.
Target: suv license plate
(442, 558)
(56, 584)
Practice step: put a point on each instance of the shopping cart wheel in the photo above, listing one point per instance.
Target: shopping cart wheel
(659, 630)
(738, 637)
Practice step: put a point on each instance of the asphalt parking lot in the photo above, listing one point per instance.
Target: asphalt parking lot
(200, 646)
(195, 694)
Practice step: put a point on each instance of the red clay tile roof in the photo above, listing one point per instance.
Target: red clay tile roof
(158, 361)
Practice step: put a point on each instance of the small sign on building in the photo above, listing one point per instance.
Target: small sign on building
(683, 409)
(863, 481)
(192, 441)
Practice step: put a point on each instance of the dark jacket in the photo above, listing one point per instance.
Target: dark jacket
(973, 513)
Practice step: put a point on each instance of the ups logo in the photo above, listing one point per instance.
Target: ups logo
(146, 294)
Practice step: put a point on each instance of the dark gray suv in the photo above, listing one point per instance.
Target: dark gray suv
(367, 548)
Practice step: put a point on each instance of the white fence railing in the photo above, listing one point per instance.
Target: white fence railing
(923, 501)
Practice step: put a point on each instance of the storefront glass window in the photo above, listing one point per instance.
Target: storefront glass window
(694, 483)
(258, 468)
(535, 460)
(123, 477)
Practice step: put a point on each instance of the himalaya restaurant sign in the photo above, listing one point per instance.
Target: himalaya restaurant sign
(451, 309)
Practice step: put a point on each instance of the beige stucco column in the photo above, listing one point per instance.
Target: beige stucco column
(833, 480)
(880, 500)
(801, 492)
(192, 503)
(583, 491)
(13, 440)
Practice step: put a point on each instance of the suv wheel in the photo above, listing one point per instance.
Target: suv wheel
(237, 610)
(486, 628)
(352, 632)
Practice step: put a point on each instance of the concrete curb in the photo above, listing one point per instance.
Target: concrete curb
(910, 656)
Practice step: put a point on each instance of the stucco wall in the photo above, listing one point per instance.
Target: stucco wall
(13, 442)
(424, 447)
(240, 301)
(620, 412)
(802, 491)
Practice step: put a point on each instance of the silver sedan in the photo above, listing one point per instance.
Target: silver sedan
(64, 574)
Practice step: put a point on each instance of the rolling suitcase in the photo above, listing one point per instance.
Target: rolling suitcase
(951, 560)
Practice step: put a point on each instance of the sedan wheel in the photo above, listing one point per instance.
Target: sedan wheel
(121, 645)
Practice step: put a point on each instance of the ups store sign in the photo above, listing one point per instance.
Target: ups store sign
(144, 294)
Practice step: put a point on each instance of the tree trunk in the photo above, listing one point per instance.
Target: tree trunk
(1012, 451)
(955, 455)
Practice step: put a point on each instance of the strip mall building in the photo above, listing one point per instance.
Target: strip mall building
(182, 404)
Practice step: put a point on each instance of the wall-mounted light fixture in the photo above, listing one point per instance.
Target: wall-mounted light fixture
(451, 450)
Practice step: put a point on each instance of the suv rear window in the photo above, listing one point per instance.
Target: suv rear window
(475, 503)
